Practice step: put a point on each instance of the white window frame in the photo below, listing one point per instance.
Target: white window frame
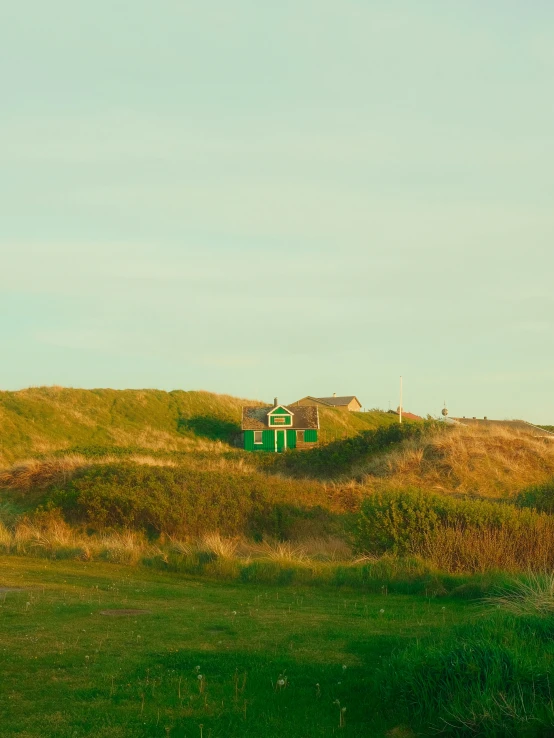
(278, 424)
(258, 434)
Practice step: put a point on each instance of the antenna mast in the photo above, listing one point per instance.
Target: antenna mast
(400, 410)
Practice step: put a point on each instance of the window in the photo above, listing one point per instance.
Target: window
(299, 436)
(280, 420)
(257, 436)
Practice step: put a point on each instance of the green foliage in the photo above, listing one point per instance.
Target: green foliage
(539, 497)
(337, 458)
(402, 521)
(160, 499)
(207, 426)
(181, 501)
(490, 678)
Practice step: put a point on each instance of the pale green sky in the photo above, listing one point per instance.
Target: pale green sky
(281, 199)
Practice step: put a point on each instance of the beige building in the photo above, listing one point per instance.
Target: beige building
(350, 403)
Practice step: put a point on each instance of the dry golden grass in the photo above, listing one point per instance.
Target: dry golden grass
(55, 537)
(36, 474)
(326, 549)
(459, 550)
(490, 462)
(450, 550)
(281, 551)
(148, 460)
(223, 548)
(51, 536)
(6, 537)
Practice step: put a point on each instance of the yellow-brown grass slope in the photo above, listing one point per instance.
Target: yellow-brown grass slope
(489, 462)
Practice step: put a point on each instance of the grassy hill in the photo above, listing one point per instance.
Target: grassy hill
(149, 479)
(491, 462)
(44, 420)
(163, 465)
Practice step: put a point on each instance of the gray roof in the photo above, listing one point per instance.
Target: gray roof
(516, 425)
(305, 417)
(338, 400)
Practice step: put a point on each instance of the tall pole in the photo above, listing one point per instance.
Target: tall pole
(400, 398)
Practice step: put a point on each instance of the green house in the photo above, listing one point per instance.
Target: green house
(278, 427)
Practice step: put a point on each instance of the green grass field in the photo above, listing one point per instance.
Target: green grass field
(69, 671)
(337, 591)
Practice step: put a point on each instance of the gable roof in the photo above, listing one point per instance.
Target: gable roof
(280, 407)
(305, 417)
(338, 401)
(315, 399)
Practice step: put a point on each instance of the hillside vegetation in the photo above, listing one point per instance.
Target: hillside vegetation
(468, 460)
(164, 465)
(153, 480)
(44, 420)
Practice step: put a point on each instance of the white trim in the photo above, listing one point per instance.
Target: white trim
(280, 425)
(273, 409)
(285, 445)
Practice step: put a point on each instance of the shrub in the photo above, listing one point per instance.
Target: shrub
(455, 534)
(337, 458)
(187, 502)
(159, 499)
(539, 497)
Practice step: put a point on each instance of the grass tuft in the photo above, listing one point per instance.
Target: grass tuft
(532, 595)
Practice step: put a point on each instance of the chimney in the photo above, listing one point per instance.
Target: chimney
(275, 402)
(334, 394)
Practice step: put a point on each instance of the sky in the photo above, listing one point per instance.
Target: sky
(281, 199)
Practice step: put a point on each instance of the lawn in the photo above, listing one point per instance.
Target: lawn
(207, 659)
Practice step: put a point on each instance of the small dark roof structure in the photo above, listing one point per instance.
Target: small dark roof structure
(304, 417)
(516, 425)
(406, 415)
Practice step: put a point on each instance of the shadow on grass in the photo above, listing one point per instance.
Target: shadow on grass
(206, 426)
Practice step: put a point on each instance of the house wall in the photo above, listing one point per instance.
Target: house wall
(354, 406)
(304, 440)
(280, 421)
(267, 444)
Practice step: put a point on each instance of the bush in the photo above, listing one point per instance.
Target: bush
(336, 459)
(184, 502)
(539, 497)
(401, 520)
(455, 534)
(159, 499)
